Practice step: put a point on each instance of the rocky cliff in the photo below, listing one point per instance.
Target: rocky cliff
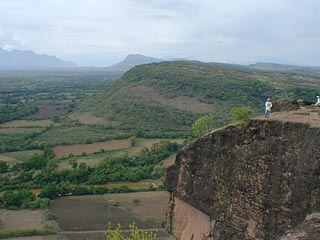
(253, 182)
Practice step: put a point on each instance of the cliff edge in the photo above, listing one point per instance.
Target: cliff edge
(259, 181)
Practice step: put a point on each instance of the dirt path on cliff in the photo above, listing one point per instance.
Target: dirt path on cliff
(309, 115)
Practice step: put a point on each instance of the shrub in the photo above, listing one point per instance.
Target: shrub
(241, 113)
(202, 126)
(3, 167)
(136, 202)
(50, 215)
(135, 233)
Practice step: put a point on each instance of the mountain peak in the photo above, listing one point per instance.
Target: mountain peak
(133, 60)
(29, 60)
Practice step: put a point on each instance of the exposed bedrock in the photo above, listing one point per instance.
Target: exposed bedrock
(254, 182)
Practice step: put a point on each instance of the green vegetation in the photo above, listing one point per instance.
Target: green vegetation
(9, 112)
(50, 215)
(41, 171)
(47, 230)
(241, 113)
(3, 167)
(225, 87)
(22, 199)
(154, 222)
(135, 233)
(136, 201)
(202, 126)
(46, 95)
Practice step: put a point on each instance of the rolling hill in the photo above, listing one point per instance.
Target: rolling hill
(170, 96)
(28, 60)
(308, 70)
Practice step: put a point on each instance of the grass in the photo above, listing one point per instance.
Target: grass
(20, 130)
(73, 135)
(47, 230)
(22, 155)
(26, 123)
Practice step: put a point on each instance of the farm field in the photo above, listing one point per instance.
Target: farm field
(90, 213)
(49, 237)
(73, 135)
(85, 217)
(26, 123)
(24, 219)
(20, 130)
(134, 185)
(113, 148)
(21, 155)
(47, 111)
(87, 118)
(76, 150)
(152, 206)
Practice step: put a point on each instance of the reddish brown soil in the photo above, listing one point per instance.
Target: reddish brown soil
(47, 111)
(90, 213)
(308, 115)
(152, 204)
(180, 102)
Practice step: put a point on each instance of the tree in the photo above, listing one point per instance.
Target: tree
(202, 126)
(133, 141)
(135, 233)
(241, 114)
(3, 167)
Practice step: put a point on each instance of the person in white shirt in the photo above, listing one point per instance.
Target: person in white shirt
(268, 106)
(318, 101)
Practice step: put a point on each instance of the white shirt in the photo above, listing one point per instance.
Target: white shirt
(318, 101)
(268, 106)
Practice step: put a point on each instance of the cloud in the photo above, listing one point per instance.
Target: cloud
(10, 41)
(231, 31)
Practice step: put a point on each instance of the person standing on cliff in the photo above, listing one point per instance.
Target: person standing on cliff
(268, 106)
(318, 101)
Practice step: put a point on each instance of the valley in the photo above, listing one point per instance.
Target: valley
(82, 148)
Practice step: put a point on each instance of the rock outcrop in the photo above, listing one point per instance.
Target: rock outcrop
(257, 181)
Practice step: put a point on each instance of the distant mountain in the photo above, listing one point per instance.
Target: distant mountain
(28, 60)
(132, 60)
(309, 70)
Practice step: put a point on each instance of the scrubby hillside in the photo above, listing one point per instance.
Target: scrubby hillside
(169, 96)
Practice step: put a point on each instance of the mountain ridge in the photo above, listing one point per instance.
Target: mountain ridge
(29, 60)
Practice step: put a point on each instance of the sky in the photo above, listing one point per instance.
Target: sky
(103, 32)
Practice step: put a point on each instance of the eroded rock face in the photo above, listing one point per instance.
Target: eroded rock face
(285, 105)
(255, 183)
(309, 229)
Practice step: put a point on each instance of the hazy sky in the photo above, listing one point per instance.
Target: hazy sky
(102, 32)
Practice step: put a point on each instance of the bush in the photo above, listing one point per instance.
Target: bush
(50, 215)
(114, 203)
(135, 233)
(17, 199)
(3, 167)
(136, 202)
(241, 113)
(202, 126)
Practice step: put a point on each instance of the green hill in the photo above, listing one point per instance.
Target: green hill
(169, 96)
